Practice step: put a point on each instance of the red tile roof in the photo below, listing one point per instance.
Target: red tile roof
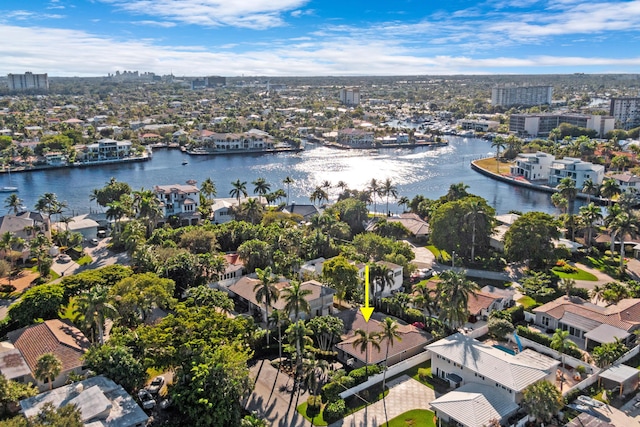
(55, 336)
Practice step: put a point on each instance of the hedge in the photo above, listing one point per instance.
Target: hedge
(334, 411)
(545, 340)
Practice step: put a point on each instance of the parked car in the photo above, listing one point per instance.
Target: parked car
(156, 385)
(146, 399)
(64, 258)
(94, 242)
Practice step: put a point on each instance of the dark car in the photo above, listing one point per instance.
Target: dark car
(156, 385)
(146, 399)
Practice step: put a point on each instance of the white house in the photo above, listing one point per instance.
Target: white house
(533, 166)
(576, 169)
(106, 149)
(485, 375)
(626, 181)
(181, 200)
(355, 137)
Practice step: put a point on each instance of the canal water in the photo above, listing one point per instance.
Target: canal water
(420, 170)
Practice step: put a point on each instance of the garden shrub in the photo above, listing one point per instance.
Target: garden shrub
(331, 391)
(314, 404)
(360, 375)
(334, 411)
(424, 373)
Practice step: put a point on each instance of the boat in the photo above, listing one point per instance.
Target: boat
(8, 189)
(589, 401)
(184, 162)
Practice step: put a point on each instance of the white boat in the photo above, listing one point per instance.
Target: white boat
(8, 189)
(590, 401)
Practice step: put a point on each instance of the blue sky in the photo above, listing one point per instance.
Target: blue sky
(319, 37)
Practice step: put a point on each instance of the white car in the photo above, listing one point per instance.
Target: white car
(64, 258)
(94, 242)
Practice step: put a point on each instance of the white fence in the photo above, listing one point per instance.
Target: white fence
(628, 355)
(477, 333)
(529, 317)
(569, 360)
(590, 380)
(393, 370)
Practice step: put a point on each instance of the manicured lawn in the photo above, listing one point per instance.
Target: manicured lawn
(84, 260)
(580, 275)
(414, 418)
(70, 310)
(527, 302)
(317, 420)
(490, 164)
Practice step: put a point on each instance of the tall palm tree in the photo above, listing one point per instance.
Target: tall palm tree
(96, 308)
(295, 300)
(300, 335)
(261, 186)
(381, 277)
(374, 189)
(48, 367)
(208, 188)
(568, 285)
(424, 297)
(455, 288)
(288, 181)
(389, 189)
(404, 201)
(252, 209)
(266, 291)
(239, 190)
(567, 187)
(624, 224)
(390, 333)
(560, 342)
(474, 216)
(13, 202)
(589, 188)
(499, 144)
(609, 189)
(364, 341)
(326, 184)
(278, 318)
(590, 214)
(318, 195)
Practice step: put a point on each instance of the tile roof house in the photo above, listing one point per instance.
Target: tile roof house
(320, 299)
(412, 341)
(181, 200)
(233, 271)
(473, 368)
(418, 227)
(582, 319)
(102, 403)
(54, 336)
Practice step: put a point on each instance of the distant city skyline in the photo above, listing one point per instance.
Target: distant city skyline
(318, 38)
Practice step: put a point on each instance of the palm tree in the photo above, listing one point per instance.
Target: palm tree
(326, 184)
(404, 201)
(589, 215)
(266, 291)
(560, 342)
(609, 189)
(252, 210)
(374, 189)
(389, 189)
(96, 308)
(288, 181)
(147, 207)
(568, 285)
(454, 288)
(318, 195)
(381, 276)
(295, 298)
(457, 191)
(567, 187)
(363, 342)
(208, 188)
(589, 188)
(390, 334)
(624, 224)
(424, 297)
(499, 144)
(278, 318)
(13, 202)
(299, 334)
(48, 367)
(239, 190)
(475, 215)
(261, 186)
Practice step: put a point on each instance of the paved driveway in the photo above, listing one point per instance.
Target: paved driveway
(405, 394)
(273, 397)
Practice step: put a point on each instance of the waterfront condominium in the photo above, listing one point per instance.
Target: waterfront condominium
(507, 96)
(626, 111)
(28, 81)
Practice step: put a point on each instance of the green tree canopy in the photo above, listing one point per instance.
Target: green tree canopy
(118, 363)
(136, 296)
(530, 239)
(542, 400)
(40, 302)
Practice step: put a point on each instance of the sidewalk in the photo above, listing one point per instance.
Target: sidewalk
(405, 394)
(273, 398)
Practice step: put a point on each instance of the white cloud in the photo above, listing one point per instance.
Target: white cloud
(255, 14)
(46, 50)
(162, 24)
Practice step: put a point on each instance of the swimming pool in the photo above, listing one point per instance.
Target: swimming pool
(505, 349)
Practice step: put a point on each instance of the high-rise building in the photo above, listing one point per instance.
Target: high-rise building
(350, 96)
(28, 81)
(626, 111)
(507, 96)
(542, 124)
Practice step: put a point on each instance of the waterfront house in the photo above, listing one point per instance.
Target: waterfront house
(484, 377)
(412, 342)
(101, 402)
(55, 336)
(320, 299)
(233, 271)
(533, 166)
(82, 224)
(592, 324)
(181, 200)
(577, 170)
(626, 181)
(478, 125)
(107, 149)
(355, 137)
(417, 227)
(306, 211)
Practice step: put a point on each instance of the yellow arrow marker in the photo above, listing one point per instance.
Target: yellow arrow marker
(366, 310)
